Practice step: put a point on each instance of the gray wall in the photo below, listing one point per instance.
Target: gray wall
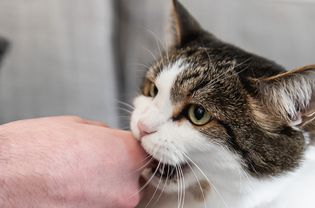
(63, 59)
(60, 60)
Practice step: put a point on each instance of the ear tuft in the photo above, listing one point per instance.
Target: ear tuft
(290, 95)
(184, 25)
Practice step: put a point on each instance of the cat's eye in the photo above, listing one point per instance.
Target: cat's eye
(198, 115)
(153, 90)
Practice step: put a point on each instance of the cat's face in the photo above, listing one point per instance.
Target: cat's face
(206, 109)
(178, 119)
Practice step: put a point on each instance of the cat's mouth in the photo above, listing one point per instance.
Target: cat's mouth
(167, 171)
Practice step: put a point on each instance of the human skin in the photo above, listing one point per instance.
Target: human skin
(68, 162)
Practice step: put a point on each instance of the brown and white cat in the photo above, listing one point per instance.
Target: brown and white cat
(224, 127)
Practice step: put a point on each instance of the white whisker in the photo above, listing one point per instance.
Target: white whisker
(184, 186)
(126, 104)
(152, 54)
(209, 181)
(156, 188)
(148, 162)
(140, 64)
(125, 110)
(178, 186)
(211, 84)
(150, 179)
(162, 191)
(197, 179)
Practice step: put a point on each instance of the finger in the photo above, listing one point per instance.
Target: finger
(70, 118)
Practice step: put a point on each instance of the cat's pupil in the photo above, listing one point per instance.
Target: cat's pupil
(155, 90)
(199, 112)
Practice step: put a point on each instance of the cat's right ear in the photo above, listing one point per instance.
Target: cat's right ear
(185, 27)
(290, 96)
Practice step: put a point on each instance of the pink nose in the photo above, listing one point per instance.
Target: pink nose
(144, 129)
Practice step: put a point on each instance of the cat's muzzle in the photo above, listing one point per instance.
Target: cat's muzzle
(166, 171)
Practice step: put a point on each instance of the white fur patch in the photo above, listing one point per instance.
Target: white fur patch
(155, 112)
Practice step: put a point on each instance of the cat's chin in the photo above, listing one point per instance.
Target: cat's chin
(168, 178)
(167, 171)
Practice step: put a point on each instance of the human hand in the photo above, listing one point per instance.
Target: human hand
(68, 162)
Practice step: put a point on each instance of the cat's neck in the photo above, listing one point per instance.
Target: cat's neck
(244, 191)
(291, 190)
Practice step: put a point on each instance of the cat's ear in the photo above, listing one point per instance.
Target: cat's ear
(290, 95)
(185, 26)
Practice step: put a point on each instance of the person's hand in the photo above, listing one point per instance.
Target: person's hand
(68, 162)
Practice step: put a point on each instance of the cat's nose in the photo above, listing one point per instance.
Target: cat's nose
(144, 129)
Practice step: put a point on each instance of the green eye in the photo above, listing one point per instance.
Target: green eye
(153, 90)
(198, 115)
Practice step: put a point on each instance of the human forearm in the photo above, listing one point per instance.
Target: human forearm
(62, 162)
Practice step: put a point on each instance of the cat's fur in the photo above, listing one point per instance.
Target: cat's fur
(255, 152)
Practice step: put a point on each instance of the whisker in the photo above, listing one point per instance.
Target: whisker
(155, 188)
(204, 175)
(197, 179)
(149, 156)
(125, 110)
(162, 191)
(148, 181)
(141, 167)
(154, 150)
(166, 51)
(139, 64)
(178, 186)
(184, 186)
(212, 82)
(123, 116)
(126, 104)
(229, 70)
(158, 43)
(157, 40)
(152, 54)
(161, 54)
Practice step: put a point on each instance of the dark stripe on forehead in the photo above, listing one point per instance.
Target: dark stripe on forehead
(188, 76)
(200, 85)
(189, 81)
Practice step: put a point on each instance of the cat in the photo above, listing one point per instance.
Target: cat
(224, 127)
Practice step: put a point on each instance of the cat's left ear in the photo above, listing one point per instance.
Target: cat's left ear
(185, 26)
(290, 95)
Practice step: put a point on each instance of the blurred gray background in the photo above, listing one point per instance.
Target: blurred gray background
(84, 57)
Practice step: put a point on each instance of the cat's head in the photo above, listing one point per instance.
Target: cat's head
(208, 108)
